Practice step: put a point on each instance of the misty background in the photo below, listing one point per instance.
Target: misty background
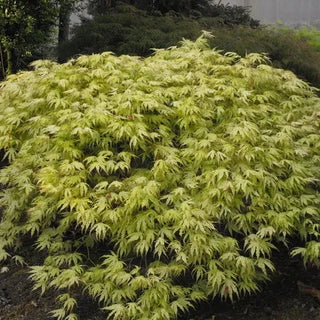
(286, 11)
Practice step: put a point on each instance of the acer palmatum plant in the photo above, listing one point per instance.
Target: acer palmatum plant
(154, 183)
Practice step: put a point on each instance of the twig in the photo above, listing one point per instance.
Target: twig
(308, 289)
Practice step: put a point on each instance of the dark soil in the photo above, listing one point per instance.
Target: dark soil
(280, 299)
(18, 300)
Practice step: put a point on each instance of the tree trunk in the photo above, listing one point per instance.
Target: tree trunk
(187, 4)
(2, 64)
(11, 61)
(64, 23)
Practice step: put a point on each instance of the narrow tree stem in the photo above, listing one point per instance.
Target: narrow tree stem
(9, 61)
(2, 63)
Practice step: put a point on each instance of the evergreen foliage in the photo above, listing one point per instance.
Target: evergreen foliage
(155, 183)
(27, 31)
(24, 26)
(229, 14)
(128, 30)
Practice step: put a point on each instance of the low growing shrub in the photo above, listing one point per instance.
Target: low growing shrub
(154, 183)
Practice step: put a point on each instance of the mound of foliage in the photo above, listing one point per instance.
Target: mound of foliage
(154, 183)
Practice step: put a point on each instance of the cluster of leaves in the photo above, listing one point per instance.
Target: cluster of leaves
(155, 183)
(27, 30)
(24, 26)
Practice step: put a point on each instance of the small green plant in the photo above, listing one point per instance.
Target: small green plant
(151, 184)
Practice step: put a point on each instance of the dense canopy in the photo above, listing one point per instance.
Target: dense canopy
(153, 183)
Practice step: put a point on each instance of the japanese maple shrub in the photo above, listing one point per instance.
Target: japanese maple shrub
(154, 183)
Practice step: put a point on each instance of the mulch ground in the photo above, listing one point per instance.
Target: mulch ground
(280, 299)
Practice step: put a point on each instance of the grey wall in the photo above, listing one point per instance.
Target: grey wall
(287, 11)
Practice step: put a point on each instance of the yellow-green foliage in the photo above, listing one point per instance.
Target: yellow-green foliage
(154, 183)
(311, 35)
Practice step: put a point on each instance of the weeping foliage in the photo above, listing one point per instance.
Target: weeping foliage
(154, 183)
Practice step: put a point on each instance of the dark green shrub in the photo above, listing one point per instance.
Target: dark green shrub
(151, 184)
(129, 30)
(282, 46)
(136, 33)
(228, 14)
